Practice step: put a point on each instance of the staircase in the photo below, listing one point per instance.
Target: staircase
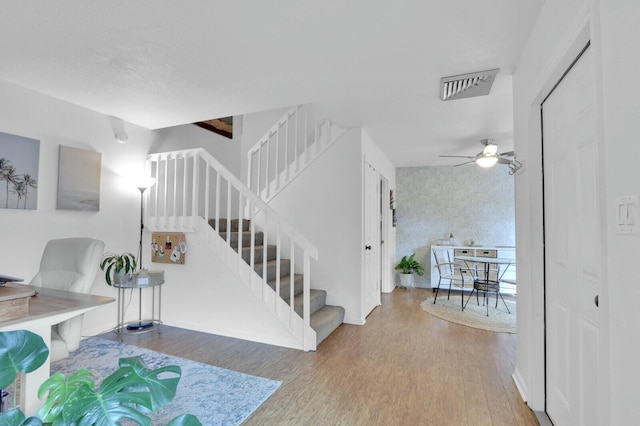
(324, 318)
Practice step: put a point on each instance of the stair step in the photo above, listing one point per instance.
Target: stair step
(317, 300)
(272, 268)
(259, 253)
(234, 223)
(285, 284)
(326, 320)
(246, 238)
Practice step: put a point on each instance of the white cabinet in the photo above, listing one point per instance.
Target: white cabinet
(502, 252)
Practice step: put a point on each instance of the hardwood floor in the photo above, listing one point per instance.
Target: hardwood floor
(404, 367)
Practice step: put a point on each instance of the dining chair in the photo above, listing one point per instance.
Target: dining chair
(486, 286)
(455, 273)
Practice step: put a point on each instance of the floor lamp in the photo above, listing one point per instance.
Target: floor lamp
(142, 186)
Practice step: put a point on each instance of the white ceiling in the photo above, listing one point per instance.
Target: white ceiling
(367, 63)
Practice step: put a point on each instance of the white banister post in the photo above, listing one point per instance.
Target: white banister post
(194, 188)
(276, 157)
(175, 188)
(267, 169)
(286, 149)
(295, 141)
(278, 267)
(306, 285)
(258, 173)
(207, 187)
(249, 166)
(292, 273)
(228, 218)
(164, 188)
(185, 179)
(217, 214)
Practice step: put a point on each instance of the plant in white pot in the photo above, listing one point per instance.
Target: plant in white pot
(118, 267)
(408, 266)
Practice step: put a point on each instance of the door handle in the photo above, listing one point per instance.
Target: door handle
(596, 301)
(367, 247)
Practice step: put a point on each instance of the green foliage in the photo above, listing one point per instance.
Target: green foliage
(20, 351)
(129, 393)
(117, 263)
(408, 265)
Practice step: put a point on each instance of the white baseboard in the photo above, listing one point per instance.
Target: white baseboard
(520, 384)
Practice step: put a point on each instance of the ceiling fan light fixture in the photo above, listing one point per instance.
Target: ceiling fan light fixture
(486, 160)
(490, 149)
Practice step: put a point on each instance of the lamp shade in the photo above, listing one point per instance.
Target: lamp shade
(143, 182)
(484, 160)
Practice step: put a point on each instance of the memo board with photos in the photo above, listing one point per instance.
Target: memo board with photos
(168, 247)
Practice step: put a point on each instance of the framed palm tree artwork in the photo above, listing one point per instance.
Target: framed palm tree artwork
(19, 160)
(78, 179)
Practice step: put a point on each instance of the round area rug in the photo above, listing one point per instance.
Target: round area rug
(473, 315)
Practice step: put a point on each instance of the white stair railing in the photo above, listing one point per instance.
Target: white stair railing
(300, 136)
(194, 192)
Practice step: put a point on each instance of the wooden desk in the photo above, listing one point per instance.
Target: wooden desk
(47, 308)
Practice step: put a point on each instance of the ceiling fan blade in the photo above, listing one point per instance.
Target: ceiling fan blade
(466, 162)
(504, 161)
(507, 154)
(456, 156)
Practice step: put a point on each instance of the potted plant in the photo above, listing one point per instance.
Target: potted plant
(129, 393)
(118, 266)
(408, 266)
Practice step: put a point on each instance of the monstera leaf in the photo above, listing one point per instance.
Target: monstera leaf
(162, 389)
(128, 393)
(20, 351)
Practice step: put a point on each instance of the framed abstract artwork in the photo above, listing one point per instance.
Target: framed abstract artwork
(19, 162)
(78, 179)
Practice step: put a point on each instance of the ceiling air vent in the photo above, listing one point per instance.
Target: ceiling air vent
(467, 85)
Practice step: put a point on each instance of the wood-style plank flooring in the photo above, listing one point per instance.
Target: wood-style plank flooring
(404, 367)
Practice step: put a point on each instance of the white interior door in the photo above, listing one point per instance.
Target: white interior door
(371, 287)
(572, 247)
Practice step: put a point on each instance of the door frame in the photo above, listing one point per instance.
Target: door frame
(601, 199)
(529, 375)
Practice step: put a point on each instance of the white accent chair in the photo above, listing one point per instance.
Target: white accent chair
(68, 264)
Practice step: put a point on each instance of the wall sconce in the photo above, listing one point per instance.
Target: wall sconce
(121, 137)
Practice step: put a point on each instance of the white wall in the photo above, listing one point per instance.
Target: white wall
(323, 203)
(620, 61)
(25, 233)
(612, 26)
(469, 202)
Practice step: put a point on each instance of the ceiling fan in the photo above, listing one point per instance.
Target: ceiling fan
(488, 157)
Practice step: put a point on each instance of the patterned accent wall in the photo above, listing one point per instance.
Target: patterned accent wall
(472, 203)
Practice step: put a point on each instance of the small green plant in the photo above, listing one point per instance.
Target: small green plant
(409, 265)
(117, 265)
(129, 393)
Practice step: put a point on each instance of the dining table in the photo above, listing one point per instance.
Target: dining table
(486, 281)
(487, 262)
